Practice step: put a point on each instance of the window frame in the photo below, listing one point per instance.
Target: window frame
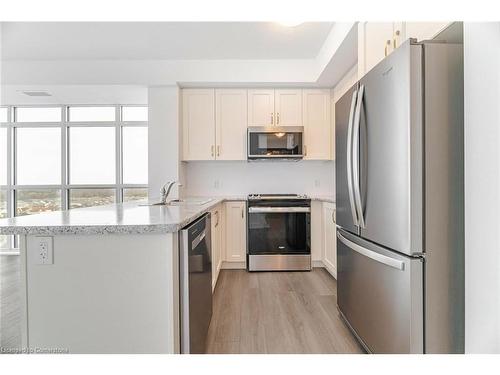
(12, 125)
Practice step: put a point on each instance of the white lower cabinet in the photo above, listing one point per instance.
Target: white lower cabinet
(236, 233)
(329, 238)
(217, 226)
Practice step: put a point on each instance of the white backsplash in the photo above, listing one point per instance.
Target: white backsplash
(216, 178)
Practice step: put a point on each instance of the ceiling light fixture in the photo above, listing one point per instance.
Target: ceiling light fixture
(290, 23)
(36, 93)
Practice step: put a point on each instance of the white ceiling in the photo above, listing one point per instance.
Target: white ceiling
(161, 40)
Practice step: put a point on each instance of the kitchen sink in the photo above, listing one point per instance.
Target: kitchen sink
(181, 202)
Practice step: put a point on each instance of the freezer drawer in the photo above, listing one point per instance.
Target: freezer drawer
(380, 294)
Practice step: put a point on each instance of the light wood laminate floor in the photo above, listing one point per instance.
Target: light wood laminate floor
(10, 306)
(278, 312)
(265, 312)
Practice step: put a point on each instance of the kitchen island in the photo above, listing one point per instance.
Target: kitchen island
(102, 279)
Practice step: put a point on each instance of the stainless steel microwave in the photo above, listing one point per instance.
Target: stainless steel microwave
(275, 142)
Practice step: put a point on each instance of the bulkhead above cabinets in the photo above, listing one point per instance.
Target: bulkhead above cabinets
(215, 120)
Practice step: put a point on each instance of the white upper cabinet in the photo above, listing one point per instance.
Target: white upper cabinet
(198, 124)
(318, 135)
(423, 30)
(288, 107)
(261, 107)
(378, 39)
(375, 41)
(231, 124)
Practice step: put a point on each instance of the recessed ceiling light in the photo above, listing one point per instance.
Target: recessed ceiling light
(36, 93)
(290, 23)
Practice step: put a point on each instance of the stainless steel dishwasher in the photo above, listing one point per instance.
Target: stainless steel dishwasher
(195, 260)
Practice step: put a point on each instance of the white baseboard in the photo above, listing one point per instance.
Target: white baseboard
(318, 264)
(234, 265)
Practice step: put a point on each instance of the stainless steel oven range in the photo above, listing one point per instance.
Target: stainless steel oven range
(279, 232)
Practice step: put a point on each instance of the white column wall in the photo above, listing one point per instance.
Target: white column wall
(482, 187)
(164, 139)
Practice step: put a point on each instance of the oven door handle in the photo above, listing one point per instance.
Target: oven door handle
(278, 209)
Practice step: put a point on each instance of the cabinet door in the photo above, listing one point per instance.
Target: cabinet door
(375, 41)
(235, 231)
(230, 123)
(261, 108)
(216, 243)
(423, 30)
(317, 124)
(288, 107)
(198, 124)
(329, 239)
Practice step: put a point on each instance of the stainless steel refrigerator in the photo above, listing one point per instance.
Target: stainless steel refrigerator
(400, 202)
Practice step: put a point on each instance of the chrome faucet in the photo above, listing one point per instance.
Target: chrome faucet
(165, 191)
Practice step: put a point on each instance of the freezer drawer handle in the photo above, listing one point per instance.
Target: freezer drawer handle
(391, 262)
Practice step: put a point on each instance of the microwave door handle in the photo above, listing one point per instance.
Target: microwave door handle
(355, 152)
(349, 158)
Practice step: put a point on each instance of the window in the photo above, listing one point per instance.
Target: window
(134, 113)
(3, 156)
(4, 114)
(79, 198)
(92, 155)
(38, 159)
(36, 201)
(135, 155)
(4, 240)
(38, 114)
(134, 194)
(70, 157)
(89, 114)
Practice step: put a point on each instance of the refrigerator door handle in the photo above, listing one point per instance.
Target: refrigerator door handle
(349, 158)
(384, 259)
(355, 152)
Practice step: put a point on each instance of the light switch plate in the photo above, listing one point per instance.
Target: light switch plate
(44, 251)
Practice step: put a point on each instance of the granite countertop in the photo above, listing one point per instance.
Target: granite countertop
(122, 218)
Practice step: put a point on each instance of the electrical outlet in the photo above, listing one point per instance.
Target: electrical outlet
(44, 250)
(317, 183)
(216, 184)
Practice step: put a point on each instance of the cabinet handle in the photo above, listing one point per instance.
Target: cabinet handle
(333, 216)
(218, 150)
(212, 150)
(278, 118)
(396, 36)
(242, 214)
(387, 44)
(305, 150)
(217, 216)
(272, 118)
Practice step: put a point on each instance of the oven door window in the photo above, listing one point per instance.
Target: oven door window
(279, 233)
(275, 144)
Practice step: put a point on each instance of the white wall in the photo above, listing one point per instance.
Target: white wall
(74, 94)
(482, 187)
(164, 139)
(242, 178)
